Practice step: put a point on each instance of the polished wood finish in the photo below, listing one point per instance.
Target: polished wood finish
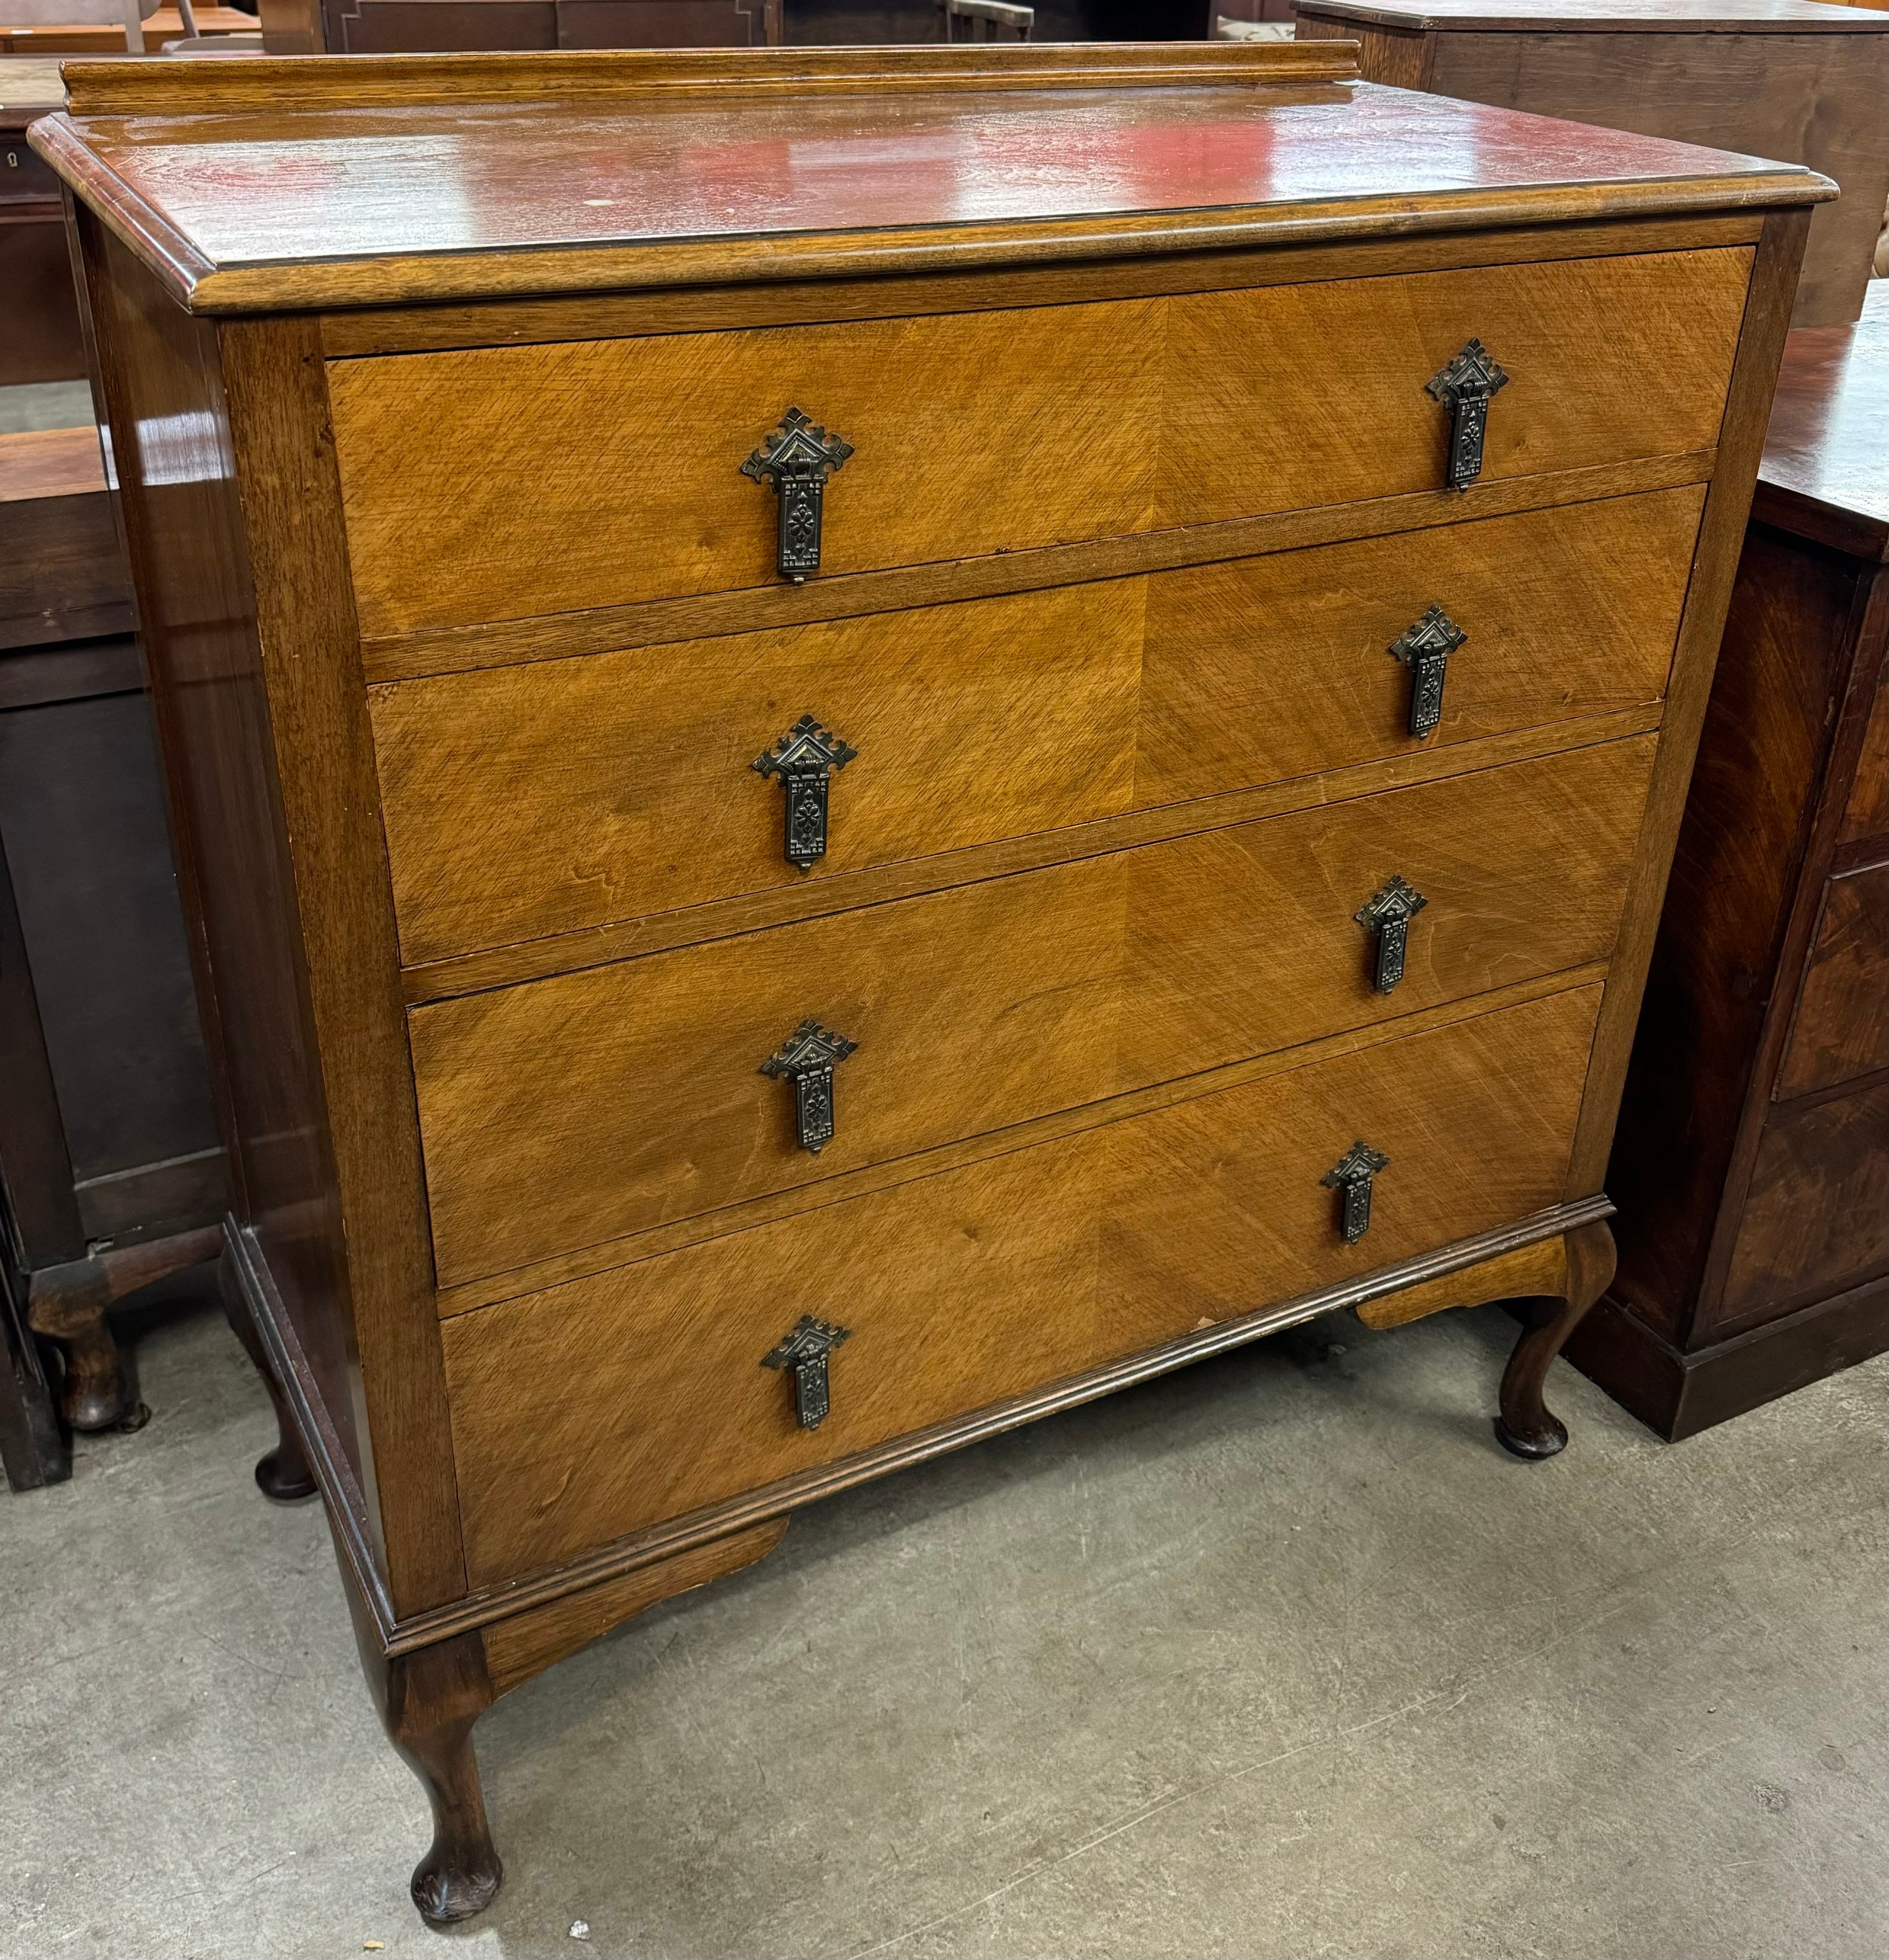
(659, 216)
(1750, 1163)
(509, 817)
(111, 1176)
(527, 1643)
(620, 1098)
(1116, 1030)
(972, 1286)
(1790, 78)
(40, 336)
(1035, 429)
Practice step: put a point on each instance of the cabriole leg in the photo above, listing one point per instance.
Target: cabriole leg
(1526, 1427)
(283, 1474)
(429, 1701)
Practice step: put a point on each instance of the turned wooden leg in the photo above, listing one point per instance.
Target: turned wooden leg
(68, 1305)
(283, 1474)
(1526, 1427)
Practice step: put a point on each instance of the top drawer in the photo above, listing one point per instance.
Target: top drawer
(502, 483)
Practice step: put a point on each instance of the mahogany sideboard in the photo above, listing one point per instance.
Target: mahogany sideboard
(1752, 1167)
(111, 1173)
(1793, 78)
(1017, 806)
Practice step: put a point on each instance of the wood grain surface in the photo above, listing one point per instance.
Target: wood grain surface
(1841, 1028)
(1866, 811)
(521, 802)
(995, 431)
(1816, 1216)
(527, 1643)
(583, 1108)
(625, 178)
(611, 1403)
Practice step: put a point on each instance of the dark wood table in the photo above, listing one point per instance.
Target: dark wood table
(1787, 78)
(1751, 1166)
(110, 1173)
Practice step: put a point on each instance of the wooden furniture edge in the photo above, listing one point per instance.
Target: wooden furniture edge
(1838, 527)
(396, 279)
(653, 1242)
(522, 1646)
(1816, 841)
(275, 386)
(427, 652)
(645, 1548)
(701, 308)
(1760, 351)
(559, 953)
(341, 1494)
(1677, 1394)
(316, 82)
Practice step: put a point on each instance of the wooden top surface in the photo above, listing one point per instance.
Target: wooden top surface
(1607, 17)
(262, 185)
(35, 464)
(1827, 455)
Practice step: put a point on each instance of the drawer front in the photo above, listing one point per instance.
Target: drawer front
(499, 482)
(1866, 813)
(570, 1111)
(1841, 1026)
(529, 800)
(613, 1402)
(1816, 1213)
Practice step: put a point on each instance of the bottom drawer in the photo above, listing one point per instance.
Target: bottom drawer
(613, 1402)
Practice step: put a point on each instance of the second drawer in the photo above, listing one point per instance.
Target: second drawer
(569, 1111)
(529, 800)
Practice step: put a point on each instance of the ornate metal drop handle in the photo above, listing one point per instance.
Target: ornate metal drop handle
(1388, 914)
(805, 1351)
(1464, 386)
(797, 460)
(805, 758)
(1351, 1177)
(1425, 648)
(806, 1059)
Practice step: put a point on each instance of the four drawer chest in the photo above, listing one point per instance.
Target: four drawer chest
(868, 741)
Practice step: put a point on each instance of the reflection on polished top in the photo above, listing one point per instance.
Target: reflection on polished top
(311, 182)
(1828, 444)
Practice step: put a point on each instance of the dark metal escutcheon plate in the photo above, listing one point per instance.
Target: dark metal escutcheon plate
(805, 758)
(806, 1059)
(1388, 914)
(797, 459)
(1425, 648)
(805, 1351)
(1351, 1175)
(1464, 386)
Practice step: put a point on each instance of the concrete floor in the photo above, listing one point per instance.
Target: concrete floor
(1280, 1656)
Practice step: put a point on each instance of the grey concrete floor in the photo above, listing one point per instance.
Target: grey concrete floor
(45, 405)
(1280, 1656)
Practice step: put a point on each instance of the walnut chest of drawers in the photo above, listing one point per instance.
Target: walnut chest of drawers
(868, 741)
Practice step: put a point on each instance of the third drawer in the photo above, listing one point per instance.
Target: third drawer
(568, 1112)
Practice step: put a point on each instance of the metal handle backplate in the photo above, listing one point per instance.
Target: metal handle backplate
(1386, 914)
(805, 758)
(1425, 647)
(804, 1353)
(806, 1059)
(1464, 385)
(1351, 1177)
(797, 460)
